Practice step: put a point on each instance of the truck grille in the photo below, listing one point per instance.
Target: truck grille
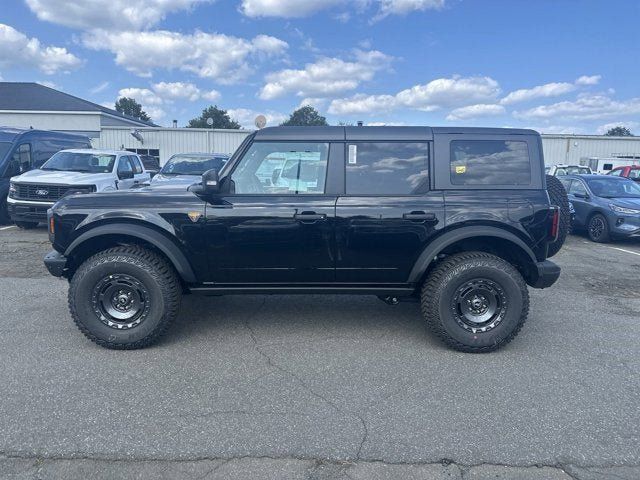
(45, 193)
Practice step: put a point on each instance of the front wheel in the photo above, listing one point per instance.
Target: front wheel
(598, 229)
(124, 297)
(475, 302)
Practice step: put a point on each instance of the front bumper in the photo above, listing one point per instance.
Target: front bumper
(56, 263)
(547, 274)
(26, 211)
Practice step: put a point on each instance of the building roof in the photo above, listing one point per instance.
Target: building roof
(35, 97)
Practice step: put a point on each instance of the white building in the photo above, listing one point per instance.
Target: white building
(26, 105)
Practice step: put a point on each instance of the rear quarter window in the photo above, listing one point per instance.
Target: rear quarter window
(490, 162)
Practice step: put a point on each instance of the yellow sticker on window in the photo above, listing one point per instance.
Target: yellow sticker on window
(461, 169)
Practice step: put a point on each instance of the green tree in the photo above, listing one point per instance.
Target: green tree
(619, 132)
(220, 118)
(305, 117)
(130, 107)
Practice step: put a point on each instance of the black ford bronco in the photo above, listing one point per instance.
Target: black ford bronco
(459, 219)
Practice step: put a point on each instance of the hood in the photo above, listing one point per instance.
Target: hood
(174, 181)
(625, 202)
(52, 177)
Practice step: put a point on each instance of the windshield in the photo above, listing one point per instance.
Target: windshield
(191, 165)
(80, 162)
(614, 188)
(4, 148)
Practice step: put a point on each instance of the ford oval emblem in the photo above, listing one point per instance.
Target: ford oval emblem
(42, 192)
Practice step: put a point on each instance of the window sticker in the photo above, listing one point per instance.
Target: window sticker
(461, 169)
(353, 154)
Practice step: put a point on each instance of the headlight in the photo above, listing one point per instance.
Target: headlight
(627, 211)
(12, 189)
(79, 190)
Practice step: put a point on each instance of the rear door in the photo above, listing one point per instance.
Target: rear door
(387, 214)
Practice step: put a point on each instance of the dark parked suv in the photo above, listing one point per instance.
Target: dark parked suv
(458, 219)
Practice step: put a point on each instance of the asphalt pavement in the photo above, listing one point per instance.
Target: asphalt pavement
(324, 387)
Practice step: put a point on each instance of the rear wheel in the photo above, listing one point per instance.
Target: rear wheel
(26, 225)
(475, 302)
(598, 229)
(559, 198)
(124, 297)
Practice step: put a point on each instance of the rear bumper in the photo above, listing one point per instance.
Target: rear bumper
(547, 274)
(56, 263)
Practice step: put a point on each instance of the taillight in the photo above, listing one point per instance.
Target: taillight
(555, 224)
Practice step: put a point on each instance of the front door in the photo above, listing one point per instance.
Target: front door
(277, 225)
(388, 215)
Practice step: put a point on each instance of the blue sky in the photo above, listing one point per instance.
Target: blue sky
(554, 65)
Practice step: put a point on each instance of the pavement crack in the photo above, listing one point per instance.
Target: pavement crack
(305, 386)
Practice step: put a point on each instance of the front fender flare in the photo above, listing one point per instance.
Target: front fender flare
(155, 238)
(453, 236)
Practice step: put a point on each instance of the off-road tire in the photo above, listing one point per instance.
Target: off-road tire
(26, 225)
(558, 197)
(604, 236)
(156, 275)
(438, 292)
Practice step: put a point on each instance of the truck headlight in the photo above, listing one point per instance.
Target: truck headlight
(626, 211)
(13, 190)
(79, 190)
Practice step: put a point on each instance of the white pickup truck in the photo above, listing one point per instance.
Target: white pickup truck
(70, 172)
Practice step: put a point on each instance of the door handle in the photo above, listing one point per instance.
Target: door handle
(309, 217)
(420, 216)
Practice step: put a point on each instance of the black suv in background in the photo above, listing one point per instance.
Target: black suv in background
(458, 219)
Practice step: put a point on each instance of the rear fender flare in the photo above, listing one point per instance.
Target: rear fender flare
(453, 236)
(157, 239)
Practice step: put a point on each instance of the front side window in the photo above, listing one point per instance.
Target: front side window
(282, 168)
(490, 162)
(80, 162)
(387, 168)
(577, 188)
(22, 156)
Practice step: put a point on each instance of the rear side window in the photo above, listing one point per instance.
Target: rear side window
(490, 162)
(387, 168)
(137, 166)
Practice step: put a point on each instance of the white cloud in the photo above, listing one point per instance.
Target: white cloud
(315, 102)
(50, 84)
(541, 91)
(475, 111)
(305, 8)
(223, 58)
(386, 124)
(362, 104)
(585, 107)
(246, 117)
(101, 87)
(183, 91)
(150, 101)
(104, 14)
(588, 80)
(439, 93)
(286, 8)
(404, 7)
(327, 77)
(602, 129)
(450, 92)
(16, 49)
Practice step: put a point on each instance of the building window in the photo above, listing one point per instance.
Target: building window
(153, 152)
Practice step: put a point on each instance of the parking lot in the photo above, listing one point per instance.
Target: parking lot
(324, 387)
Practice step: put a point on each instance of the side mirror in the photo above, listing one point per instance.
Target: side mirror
(125, 175)
(210, 182)
(581, 195)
